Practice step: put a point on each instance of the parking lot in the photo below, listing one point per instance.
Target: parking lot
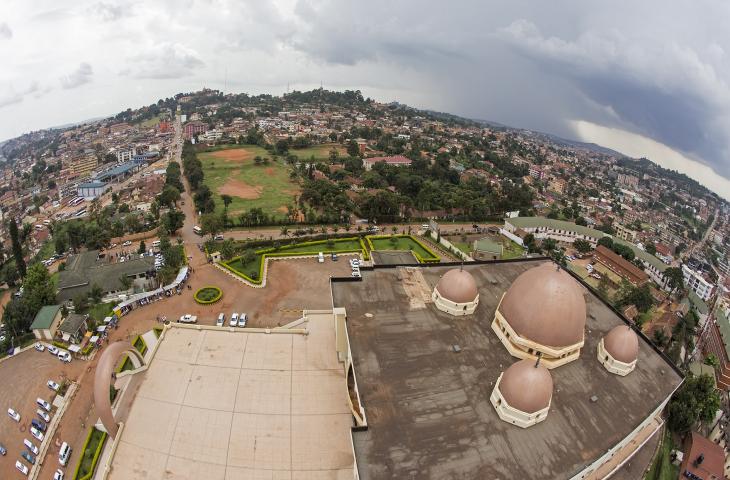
(23, 379)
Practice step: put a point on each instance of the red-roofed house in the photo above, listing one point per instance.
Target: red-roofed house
(664, 253)
(397, 160)
(702, 459)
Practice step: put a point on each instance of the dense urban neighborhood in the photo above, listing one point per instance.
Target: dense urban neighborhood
(354, 289)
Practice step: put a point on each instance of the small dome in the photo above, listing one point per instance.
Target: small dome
(458, 285)
(546, 305)
(526, 387)
(622, 344)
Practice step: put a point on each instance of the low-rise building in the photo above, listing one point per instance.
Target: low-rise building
(703, 459)
(620, 266)
(396, 160)
(625, 233)
(74, 327)
(487, 249)
(697, 283)
(46, 322)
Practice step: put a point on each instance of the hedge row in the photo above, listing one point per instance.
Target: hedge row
(142, 347)
(281, 252)
(94, 459)
(211, 301)
(434, 257)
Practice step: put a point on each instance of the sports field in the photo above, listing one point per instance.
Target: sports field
(232, 171)
(319, 152)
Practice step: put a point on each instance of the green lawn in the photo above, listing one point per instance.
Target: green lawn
(662, 468)
(232, 169)
(319, 152)
(101, 310)
(511, 250)
(400, 243)
(150, 122)
(463, 246)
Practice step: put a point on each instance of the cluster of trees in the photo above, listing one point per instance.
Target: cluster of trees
(37, 292)
(202, 197)
(620, 249)
(172, 220)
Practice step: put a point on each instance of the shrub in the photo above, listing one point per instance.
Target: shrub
(208, 295)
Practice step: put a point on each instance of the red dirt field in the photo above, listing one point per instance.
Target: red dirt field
(236, 155)
(237, 188)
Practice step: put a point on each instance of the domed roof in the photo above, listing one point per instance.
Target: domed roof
(527, 387)
(458, 286)
(622, 343)
(546, 305)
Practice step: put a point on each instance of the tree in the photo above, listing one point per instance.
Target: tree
(606, 242)
(696, 400)
(125, 281)
(169, 196)
(96, 293)
(37, 288)
(17, 248)
(675, 279)
(142, 247)
(211, 224)
(651, 248)
(583, 246)
(353, 149)
(549, 244)
(173, 220)
(639, 296)
(712, 360)
(227, 199)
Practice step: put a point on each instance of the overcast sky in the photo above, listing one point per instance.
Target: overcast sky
(648, 78)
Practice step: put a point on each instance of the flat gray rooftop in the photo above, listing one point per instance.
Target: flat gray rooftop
(428, 408)
(396, 257)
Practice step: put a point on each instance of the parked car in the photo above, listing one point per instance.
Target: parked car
(218, 237)
(221, 320)
(242, 320)
(356, 274)
(37, 434)
(127, 243)
(3, 451)
(53, 385)
(64, 356)
(334, 257)
(64, 453)
(35, 423)
(188, 318)
(28, 457)
(21, 468)
(234, 319)
(13, 414)
(39, 346)
(354, 262)
(31, 448)
(320, 257)
(52, 350)
(43, 415)
(43, 404)
(58, 475)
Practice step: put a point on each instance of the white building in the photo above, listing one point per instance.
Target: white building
(697, 282)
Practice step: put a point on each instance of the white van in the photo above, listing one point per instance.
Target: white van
(32, 448)
(155, 244)
(64, 356)
(320, 257)
(64, 453)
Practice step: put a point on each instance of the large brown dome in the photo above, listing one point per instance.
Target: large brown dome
(527, 387)
(458, 286)
(546, 305)
(622, 343)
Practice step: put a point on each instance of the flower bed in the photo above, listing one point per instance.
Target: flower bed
(208, 295)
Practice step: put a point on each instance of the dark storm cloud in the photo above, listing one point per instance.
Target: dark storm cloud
(543, 66)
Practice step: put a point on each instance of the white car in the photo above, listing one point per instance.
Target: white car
(64, 356)
(52, 350)
(13, 414)
(356, 274)
(39, 346)
(21, 468)
(188, 318)
(37, 434)
(43, 415)
(234, 319)
(43, 404)
(58, 475)
(127, 243)
(53, 385)
(354, 262)
(32, 448)
(242, 320)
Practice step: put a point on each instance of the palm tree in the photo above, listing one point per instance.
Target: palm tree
(284, 231)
